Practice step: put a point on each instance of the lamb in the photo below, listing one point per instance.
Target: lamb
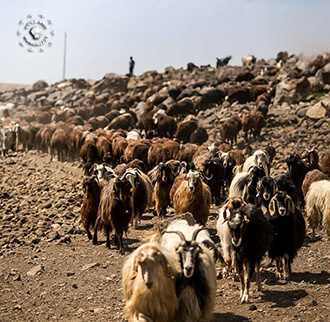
(259, 159)
(318, 205)
(148, 280)
(90, 205)
(250, 233)
(288, 232)
(196, 286)
(194, 196)
(141, 187)
(312, 176)
(115, 211)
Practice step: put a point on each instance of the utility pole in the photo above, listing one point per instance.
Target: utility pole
(64, 58)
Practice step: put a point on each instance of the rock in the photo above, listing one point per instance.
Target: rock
(39, 85)
(35, 270)
(89, 266)
(316, 111)
(75, 286)
(98, 310)
(301, 112)
(53, 235)
(252, 307)
(112, 83)
(323, 74)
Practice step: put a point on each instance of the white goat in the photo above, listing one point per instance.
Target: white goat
(259, 159)
(318, 205)
(196, 288)
(148, 280)
(103, 171)
(133, 135)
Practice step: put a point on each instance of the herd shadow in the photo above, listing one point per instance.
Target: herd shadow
(283, 299)
(229, 317)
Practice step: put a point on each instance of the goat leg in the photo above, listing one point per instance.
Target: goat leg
(95, 237)
(258, 281)
(107, 232)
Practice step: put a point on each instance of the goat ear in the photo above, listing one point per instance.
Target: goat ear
(246, 219)
(272, 206)
(135, 268)
(289, 205)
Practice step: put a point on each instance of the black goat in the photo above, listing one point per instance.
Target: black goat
(288, 235)
(297, 172)
(250, 188)
(214, 173)
(250, 239)
(266, 189)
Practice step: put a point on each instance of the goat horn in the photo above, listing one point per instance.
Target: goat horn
(172, 170)
(179, 233)
(206, 177)
(195, 233)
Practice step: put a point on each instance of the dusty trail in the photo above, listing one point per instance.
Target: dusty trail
(39, 225)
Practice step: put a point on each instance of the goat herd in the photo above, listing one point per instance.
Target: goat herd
(172, 275)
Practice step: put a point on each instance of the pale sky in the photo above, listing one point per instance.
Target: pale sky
(102, 34)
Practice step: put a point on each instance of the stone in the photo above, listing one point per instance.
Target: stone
(35, 270)
(316, 111)
(39, 85)
(89, 266)
(252, 307)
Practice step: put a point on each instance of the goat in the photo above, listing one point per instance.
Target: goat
(148, 280)
(142, 192)
(103, 171)
(244, 184)
(288, 232)
(311, 177)
(223, 61)
(163, 180)
(90, 205)
(266, 189)
(196, 286)
(259, 159)
(89, 154)
(115, 211)
(318, 205)
(214, 173)
(194, 196)
(250, 233)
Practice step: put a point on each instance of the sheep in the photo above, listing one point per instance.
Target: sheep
(250, 238)
(196, 286)
(318, 205)
(259, 159)
(115, 211)
(156, 154)
(214, 173)
(244, 184)
(288, 232)
(148, 280)
(163, 181)
(194, 196)
(187, 151)
(89, 207)
(312, 176)
(182, 107)
(142, 192)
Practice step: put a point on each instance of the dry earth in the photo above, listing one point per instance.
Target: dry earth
(72, 280)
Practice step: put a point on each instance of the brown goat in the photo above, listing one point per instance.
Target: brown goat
(89, 155)
(90, 205)
(311, 177)
(194, 196)
(61, 143)
(115, 211)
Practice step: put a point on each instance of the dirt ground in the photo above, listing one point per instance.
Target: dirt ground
(72, 280)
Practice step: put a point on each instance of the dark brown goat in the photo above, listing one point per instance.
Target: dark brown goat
(90, 205)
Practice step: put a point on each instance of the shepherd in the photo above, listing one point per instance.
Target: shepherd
(131, 66)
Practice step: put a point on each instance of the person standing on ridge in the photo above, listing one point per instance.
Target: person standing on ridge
(131, 66)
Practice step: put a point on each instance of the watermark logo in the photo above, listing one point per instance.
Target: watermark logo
(35, 33)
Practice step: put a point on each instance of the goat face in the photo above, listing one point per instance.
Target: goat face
(102, 171)
(188, 251)
(150, 259)
(90, 186)
(281, 204)
(262, 160)
(192, 177)
(122, 189)
(236, 223)
(266, 188)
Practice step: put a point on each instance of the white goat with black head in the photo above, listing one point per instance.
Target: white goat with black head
(149, 276)
(258, 159)
(196, 286)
